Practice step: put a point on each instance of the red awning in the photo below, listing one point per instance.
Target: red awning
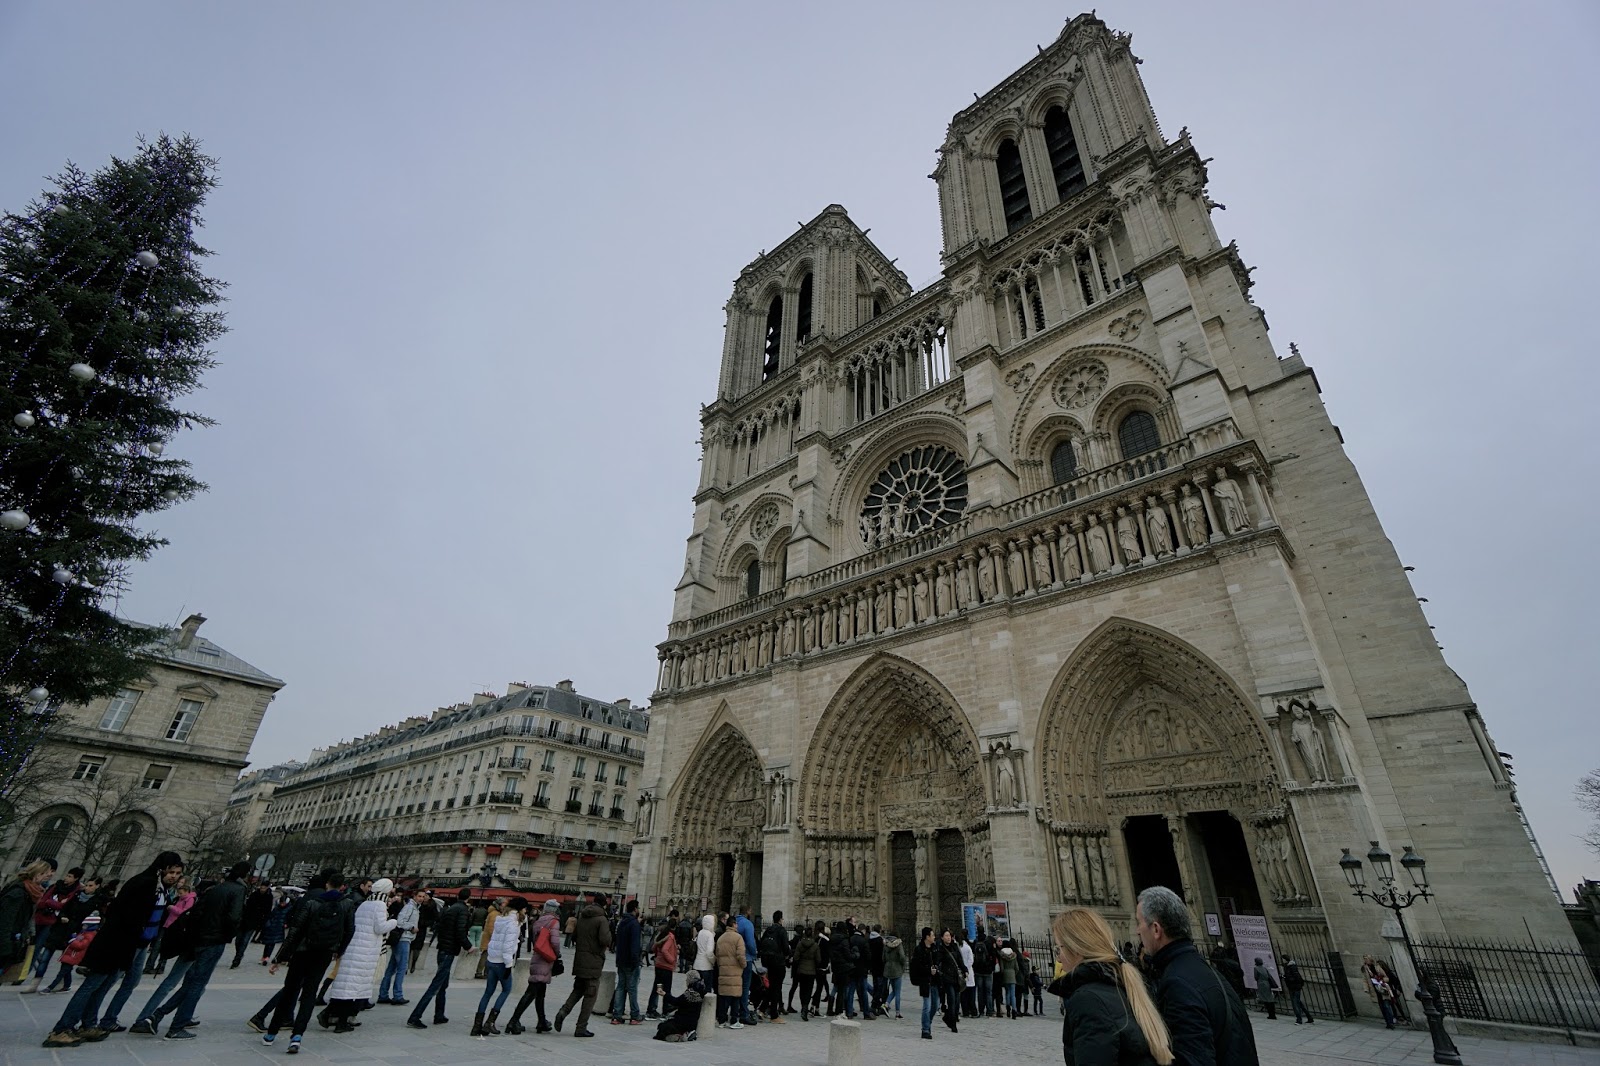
(564, 856)
(588, 858)
(466, 849)
(530, 853)
(492, 849)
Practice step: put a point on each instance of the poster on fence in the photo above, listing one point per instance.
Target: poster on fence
(1251, 941)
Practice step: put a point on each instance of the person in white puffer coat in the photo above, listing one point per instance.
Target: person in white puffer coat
(358, 966)
(498, 958)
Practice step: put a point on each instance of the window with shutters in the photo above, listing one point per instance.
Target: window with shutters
(802, 329)
(1065, 166)
(1013, 186)
(772, 343)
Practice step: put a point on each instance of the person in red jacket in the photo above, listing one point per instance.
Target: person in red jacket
(664, 946)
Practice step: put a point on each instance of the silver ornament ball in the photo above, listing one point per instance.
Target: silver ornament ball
(62, 576)
(14, 519)
(23, 420)
(171, 495)
(156, 447)
(59, 209)
(38, 695)
(82, 372)
(148, 259)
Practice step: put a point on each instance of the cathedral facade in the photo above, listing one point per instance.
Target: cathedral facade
(1052, 580)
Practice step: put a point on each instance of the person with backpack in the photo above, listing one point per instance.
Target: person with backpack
(774, 954)
(212, 923)
(450, 941)
(126, 929)
(316, 930)
(983, 975)
(664, 950)
(544, 962)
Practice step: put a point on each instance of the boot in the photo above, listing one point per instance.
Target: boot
(544, 1027)
(489, 1028)
(477, 1025)
(324, 1019)
(515, 1027)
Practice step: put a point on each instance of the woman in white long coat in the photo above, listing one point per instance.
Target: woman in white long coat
(358, 966)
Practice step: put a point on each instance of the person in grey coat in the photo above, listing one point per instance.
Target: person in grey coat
(1266, 990)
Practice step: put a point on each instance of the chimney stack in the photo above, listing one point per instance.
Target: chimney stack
(191, 626)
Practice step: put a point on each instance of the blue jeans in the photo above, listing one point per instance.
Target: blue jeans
(892, 984)
(1010, 996)
(399, 960)
(984, 983)
(496, 974)
(152, 1006)
(84, 1006)
(41, 956)
(130, 981)
(857, 986)
(628, 991)
(436, 987)
(744, 997)
(194, 983)
(930, 1007)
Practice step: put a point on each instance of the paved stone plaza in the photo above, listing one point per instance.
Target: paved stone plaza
(384, 1040)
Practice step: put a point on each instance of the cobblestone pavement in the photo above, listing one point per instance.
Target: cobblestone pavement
(383, 1039)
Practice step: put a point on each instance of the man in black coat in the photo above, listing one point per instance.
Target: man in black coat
(128, 926)
(451, 940)
(213, 921)
(257, 907)
(1207, 1022)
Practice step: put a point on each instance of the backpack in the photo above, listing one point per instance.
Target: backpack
(768, 949)
(73, 953)
(543, 944)
(178, 938)
(323, 926)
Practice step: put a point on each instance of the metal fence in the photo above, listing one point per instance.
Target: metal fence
(1524, 982)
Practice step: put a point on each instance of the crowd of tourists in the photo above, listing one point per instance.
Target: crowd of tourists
(338, 939)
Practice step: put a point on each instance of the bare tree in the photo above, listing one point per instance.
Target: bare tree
(207, 838)
(32, 788)
(109, 800)
(1588, 795)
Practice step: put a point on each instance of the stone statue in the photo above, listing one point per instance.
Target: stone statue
(1286, 858)
(1099, 549)
(1194, 517)
(902, 604)
(863, 615)
(1160, 530)
(922, 597)
(1041, 564)
(944, 591)
(1005, 791)
(1015, 568)
(1069, 557)
(1234, 517)
(986, 583)
(788, 633)
(775, 800)
(880, 609)
(1069, 875)
(1308, 741)
(1128, 535)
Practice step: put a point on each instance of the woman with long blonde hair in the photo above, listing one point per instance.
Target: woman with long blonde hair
(1111, 1020)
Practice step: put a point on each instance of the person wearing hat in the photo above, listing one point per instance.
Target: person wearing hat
(352, 989)
(544, 961)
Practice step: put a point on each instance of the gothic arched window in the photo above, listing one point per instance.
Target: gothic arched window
(774, 335)
(752, 579)
(1063, 463)
(1013, 186)
(1065, 165)
(50, 839)
(1137, 434)
(802, 329)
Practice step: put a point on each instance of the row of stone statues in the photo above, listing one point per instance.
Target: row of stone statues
(841, 866)
(1087, 867)
(1116, 536)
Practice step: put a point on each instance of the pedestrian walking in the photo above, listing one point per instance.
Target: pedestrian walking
(450, 941)
(983, 964)
(591, 936)
(1266, 989)
(499, 956)
(126, 929)
(407, 919)
(630, 958)
(351, 991)
(806, 954)
(1207, 1023)
(544, 962)
(316, 930)
(1006, 976)
(213, 923)
(1380, 986)
(1294, 983)
(16, 912)
(68, 932)
(275, 927)
(894, 970)
(731, 985)
(257, 907)
(1110, 1018)
(46, 913)
(774, 948)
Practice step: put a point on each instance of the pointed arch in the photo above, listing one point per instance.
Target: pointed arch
(723, 776)
(1121, 668)
(885, 701)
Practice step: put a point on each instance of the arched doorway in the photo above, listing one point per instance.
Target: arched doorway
(714, 853)
(1155, 770)
(892, 803)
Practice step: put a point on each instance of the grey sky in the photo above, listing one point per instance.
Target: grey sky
(478, 254)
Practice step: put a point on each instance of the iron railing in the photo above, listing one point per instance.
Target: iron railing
(1523, 982)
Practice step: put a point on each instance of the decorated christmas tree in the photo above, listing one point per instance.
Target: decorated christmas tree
(106, 319)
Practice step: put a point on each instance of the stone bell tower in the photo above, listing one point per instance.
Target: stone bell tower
(1052, 581)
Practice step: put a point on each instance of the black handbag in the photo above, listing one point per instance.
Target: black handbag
(557, 968)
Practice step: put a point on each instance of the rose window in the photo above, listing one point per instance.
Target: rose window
(924, 488)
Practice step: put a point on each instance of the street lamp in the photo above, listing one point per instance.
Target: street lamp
(486, 875)
(1395, 897)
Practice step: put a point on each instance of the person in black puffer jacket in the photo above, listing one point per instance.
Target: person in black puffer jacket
(1111, 1020)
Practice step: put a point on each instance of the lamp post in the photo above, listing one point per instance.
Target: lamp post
(1390, 895)
(486, 875)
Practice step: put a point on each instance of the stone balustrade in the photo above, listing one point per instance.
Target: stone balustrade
(1130, 517)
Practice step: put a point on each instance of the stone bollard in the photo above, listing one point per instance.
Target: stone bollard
(708, 1018)
(844, 1043)
(608, 991)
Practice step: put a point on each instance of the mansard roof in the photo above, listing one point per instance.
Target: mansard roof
(205, 655)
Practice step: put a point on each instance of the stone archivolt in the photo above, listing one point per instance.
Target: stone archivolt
(719, 808)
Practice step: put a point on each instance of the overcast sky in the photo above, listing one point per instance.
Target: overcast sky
(477, 255)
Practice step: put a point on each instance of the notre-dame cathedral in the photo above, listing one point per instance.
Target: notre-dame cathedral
(1052, 580)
